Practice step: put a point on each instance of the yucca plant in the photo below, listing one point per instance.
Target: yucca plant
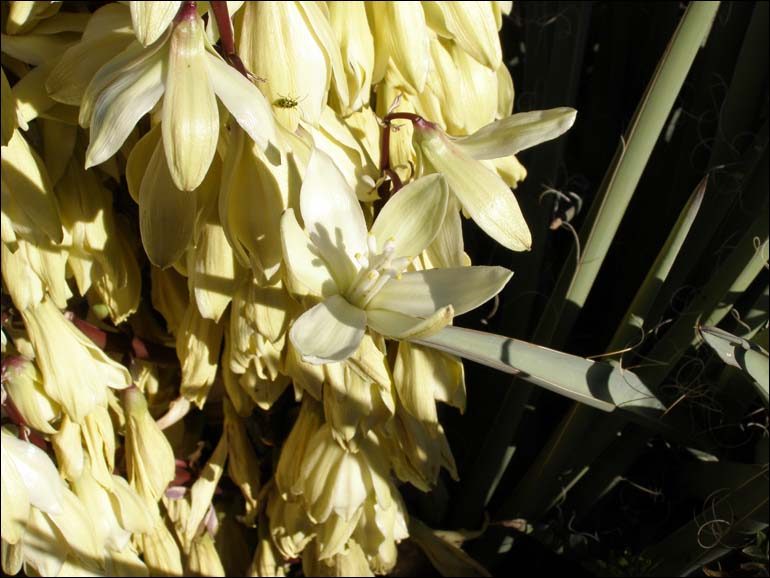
(235, 269)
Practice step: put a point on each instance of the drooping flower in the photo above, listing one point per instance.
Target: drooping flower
(183, 68)
(360, 276)
(481, 191)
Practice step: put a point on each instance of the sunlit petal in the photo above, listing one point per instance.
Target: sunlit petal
(328, 332)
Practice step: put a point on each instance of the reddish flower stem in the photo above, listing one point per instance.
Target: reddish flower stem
(222, 16)
(128, 345)
(385, 190)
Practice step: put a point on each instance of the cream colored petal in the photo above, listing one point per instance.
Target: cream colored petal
(151, 19)
(133, 57)
(26, 179)
(37, 49)
(22, 16)
(15, 500)
(333, 217)
(350, 26)
(318, 22)
(24, 285)
(166, 213)
(515, 133)
(412, 217)
(120, 106)
(23, 384)
(97, 502)
(45, 490)
(505, 92)
(446, 250)
(482, 193)
(133, 513)
(202, 490)
(69, 79)
(422, 293)
(287, 474)
(277, 42)
(411, 373)
(306, 270)
(245, 102)
(330, 331)
(44, 548)
(334, 480)
(198, 346)
(475, 94)
(75, 371)
(473, 26)
(400, 33)
(190, 116)
(397, 325)
(212, 269)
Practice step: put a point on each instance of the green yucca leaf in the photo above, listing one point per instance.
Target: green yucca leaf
(630, 161)
(599, 384)
(740, 353)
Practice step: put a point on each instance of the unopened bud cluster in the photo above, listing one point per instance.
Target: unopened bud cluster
(206, 204)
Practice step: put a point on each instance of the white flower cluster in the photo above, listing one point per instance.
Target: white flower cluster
(282, 184)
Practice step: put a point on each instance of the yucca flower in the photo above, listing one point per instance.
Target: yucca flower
(484, 196)
(76, 373)
(291, 45)
(360, 276)
(182, 67)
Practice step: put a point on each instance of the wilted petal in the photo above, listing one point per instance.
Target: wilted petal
(190, 115)
(413, 216)
(400, 326)
(151, 19)
(330, 331)
(422, 293)
(333, 217)
(515, 133)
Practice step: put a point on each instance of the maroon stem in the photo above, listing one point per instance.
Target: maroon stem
(222, 16)
(385, 190)
(188, 10)
(131, 346)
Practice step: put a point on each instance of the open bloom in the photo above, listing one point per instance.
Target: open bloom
(360, 276)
